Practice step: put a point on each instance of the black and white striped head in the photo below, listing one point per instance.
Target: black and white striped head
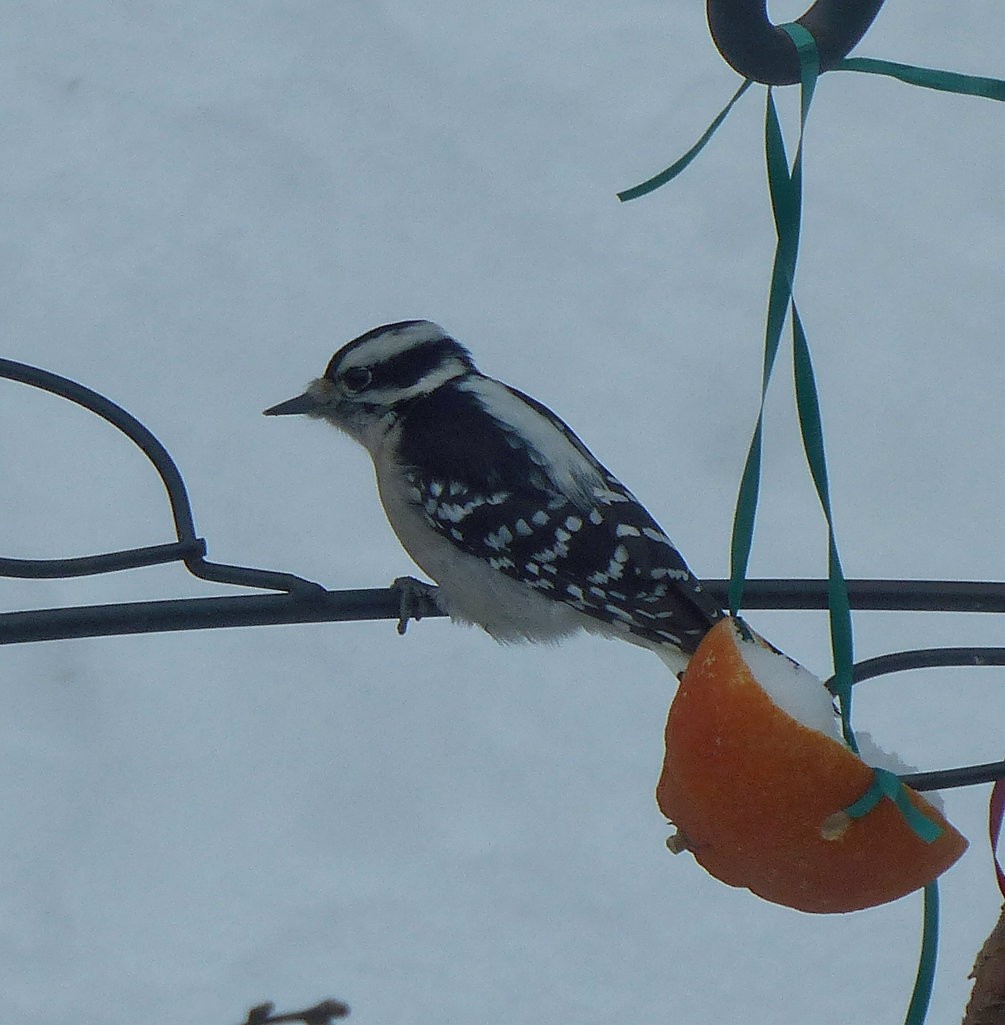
(371, 379)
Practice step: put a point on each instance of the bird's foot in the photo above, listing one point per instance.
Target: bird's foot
(417, 600)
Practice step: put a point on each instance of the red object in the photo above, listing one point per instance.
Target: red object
(995, 814)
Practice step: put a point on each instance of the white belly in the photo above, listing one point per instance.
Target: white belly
(470, 589)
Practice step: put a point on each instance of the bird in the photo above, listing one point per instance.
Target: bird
(525, 533)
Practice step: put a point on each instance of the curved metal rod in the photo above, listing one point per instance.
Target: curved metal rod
(946, 779)
(190, 548)
(139, 435)
(925, 658)
(759, 50)
(931, 658)
(106, 562)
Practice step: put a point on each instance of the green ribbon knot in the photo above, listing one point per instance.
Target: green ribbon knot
(887, 784)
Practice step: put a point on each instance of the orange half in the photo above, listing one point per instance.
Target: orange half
(757, 797)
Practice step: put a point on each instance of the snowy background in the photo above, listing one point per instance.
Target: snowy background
(200, 202)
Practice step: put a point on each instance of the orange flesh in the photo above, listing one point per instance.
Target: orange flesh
(750, 790)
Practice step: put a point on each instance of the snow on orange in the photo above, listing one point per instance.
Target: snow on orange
(756, 796)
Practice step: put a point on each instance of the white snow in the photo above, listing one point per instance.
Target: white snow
(793, 688)
(200, 203)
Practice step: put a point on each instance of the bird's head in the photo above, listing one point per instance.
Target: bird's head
(373, 378)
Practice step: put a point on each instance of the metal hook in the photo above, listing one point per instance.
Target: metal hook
(189, 548)
(759, 50)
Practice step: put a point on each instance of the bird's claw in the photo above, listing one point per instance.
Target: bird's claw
(417, 599)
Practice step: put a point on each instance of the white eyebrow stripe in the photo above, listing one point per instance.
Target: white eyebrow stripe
(386, 346)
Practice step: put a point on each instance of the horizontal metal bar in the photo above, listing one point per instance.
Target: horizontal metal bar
(965, 776)
(321, 606)
(927, 658)
(385, 603)
(199, 614)
(872, 595)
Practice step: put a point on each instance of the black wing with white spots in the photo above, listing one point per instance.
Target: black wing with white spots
(592, 546)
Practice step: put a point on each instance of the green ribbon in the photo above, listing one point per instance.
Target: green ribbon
(678, 165)
(838, 605)
(926, 78)
(924, 981)
(886, 784)
(785, 187)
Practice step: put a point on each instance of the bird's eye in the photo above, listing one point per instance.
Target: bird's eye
(356, 378)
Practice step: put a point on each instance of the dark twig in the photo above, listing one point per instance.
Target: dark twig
(320, 1014)
(987, 1000)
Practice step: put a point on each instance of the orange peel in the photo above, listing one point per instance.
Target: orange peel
(757, 797)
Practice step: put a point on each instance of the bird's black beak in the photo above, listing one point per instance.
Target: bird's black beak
(301, 404)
